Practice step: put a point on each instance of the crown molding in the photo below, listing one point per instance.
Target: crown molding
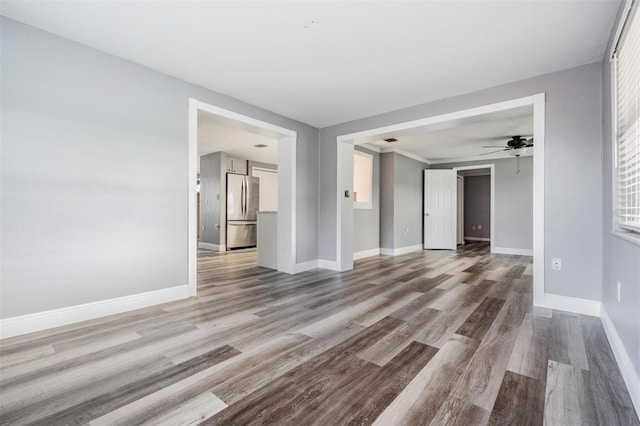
(406, 154)
(477, 158)
(370, 147)
(498, 156)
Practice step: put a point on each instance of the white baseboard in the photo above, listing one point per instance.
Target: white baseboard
(328, 264)
(366, 253)
(307, 266)
(572, 304)
(401, 250)
(214, 247)
(629, 373)
(38, 321)
(517, 251)
(476, 239)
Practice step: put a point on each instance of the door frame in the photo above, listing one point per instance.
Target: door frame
(287, 140)
(492, 170)
(460, 209)
(344, 174)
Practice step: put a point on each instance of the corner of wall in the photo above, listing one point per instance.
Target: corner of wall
(319, 201)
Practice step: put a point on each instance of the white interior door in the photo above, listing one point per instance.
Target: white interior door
(440, 209)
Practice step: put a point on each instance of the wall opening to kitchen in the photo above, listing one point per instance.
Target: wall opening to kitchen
(242, 206)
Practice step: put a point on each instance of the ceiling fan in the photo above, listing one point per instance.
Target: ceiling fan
(516, 146)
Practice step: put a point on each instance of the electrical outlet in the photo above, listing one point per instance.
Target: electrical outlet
(618, 294)
(556, 264)
(479, 226)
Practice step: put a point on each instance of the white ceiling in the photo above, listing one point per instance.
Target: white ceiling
(219, 134)
(459, 140)
(328, 62)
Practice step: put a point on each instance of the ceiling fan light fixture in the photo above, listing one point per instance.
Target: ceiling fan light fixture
(260, 145)
(517, 152)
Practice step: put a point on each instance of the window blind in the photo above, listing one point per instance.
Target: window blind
(627, 90)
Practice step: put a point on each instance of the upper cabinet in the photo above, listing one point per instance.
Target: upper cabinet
(235, 165)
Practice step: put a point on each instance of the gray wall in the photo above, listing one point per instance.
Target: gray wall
(573, 165)
(621, 257)
(407, 202)
(387, 182)
(94, 174)
(477, 206)
(514, 201)
(400, 201)
(366, 222)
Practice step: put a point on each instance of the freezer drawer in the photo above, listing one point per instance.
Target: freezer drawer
(241, 234)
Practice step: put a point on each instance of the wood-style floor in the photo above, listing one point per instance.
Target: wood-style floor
(432, 337)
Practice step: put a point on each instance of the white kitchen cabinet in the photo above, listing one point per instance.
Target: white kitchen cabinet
(235, 165)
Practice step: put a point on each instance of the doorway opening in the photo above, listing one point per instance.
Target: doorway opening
(476, 204)
(241, 174)
(535, 105)
(464, 195)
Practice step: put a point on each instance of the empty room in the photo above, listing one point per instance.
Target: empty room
(320, 213)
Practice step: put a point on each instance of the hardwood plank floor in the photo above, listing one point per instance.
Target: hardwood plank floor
(432, 337)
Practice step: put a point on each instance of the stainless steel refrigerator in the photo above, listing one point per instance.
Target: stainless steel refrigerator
(242, 210)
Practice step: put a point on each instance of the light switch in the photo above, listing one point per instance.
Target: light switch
(618, 295)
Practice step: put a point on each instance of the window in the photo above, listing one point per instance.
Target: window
(627, 121)
(362, 180)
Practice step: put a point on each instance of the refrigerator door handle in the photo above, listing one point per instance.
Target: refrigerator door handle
(242, 198)
(246, 197)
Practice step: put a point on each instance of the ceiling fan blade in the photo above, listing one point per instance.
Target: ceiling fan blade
(493, 152)
(492, 139)
(494, 146)
(529, 145)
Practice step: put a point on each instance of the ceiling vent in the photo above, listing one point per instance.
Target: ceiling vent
(391, 140)
(261, 145)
